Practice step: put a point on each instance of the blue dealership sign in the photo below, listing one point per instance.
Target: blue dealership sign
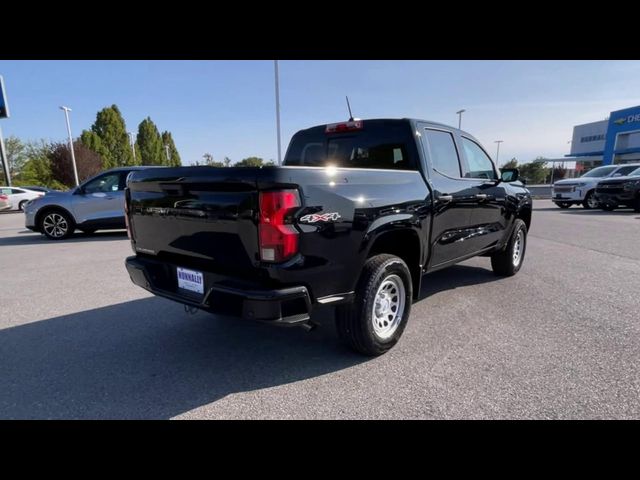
(621, 121)
(4, 107)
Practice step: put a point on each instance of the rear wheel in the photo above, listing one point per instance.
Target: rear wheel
(57, 225)
(22, 205)
(590, 201)
(374, 322)
(507, 262)
(563, 204)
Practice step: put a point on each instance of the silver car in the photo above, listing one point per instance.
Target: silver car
(95, 205)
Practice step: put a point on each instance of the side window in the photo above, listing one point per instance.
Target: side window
(104, 184)
(16, 191)
(479, 165)
(5, 191)
(443, 153)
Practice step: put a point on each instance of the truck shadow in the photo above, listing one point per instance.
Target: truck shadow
(454, 277)
(27, 237)
(148, 359)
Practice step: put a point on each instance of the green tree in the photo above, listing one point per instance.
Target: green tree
(174, 156)
(534, 172)
(37, 167)
(150, 143)
(209, 162)
(16, 155)
(252, 162)
(108, 138)
(513, 163)
(227, 162)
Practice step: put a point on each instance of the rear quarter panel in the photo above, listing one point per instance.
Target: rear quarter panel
(367, 202)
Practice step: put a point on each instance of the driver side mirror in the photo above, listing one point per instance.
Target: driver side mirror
(79, 191)
(509, 174)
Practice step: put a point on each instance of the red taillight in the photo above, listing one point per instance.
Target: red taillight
(344, 127)
(4, 197)
(278, 239)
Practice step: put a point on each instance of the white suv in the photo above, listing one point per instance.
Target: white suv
(565, 193)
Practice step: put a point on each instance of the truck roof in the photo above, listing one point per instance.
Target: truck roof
(403, 119)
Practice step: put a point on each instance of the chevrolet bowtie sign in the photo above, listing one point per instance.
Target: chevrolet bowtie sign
(627, 119)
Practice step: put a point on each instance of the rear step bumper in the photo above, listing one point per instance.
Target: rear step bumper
(286, 306)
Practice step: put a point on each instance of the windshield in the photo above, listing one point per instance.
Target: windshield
(599, 172)
(635, 173)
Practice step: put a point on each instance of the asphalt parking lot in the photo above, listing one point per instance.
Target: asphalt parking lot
(559, 340)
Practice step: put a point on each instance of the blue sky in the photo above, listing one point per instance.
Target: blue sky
(227, 108)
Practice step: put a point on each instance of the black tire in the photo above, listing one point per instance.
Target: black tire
(563, 204)
(607, 208)
(22, 204)
(56, 218)
(589, 201)
(355, 321)
(636, 205)
(503, 262)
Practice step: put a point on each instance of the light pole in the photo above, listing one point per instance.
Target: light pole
(460, 112)
(166, 150)
(133, 146)
(73, 155)
(498, 151)
(275, 63)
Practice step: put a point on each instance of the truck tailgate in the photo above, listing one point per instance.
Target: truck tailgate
(188, 213)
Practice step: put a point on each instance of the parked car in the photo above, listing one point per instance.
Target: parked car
(360, 211)
(619, 192)
(19, 196)
(574, 191)
(95, 205)
(5, 203)
(40, 189)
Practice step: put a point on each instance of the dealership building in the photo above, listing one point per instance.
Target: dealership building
(611, 141)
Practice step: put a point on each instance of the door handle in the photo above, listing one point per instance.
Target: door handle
(481, 196)
(445, 198)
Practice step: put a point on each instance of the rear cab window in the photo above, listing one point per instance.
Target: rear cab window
(378, 144)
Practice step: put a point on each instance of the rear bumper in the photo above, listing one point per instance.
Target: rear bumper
(224, 296)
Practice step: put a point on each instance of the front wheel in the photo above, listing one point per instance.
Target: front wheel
(507, 262)
(57, 225)
(374, 322)
(590, 201)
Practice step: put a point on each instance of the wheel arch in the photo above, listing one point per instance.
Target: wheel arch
(52, 208)
(403, 243)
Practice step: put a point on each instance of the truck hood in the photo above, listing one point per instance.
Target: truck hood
(576, 181)
(617, 180)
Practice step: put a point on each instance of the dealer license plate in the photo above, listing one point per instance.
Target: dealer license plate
(191, 280)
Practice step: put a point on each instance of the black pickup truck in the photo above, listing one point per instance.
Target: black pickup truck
(355, 217)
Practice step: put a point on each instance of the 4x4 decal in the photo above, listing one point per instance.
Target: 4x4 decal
(320, 217)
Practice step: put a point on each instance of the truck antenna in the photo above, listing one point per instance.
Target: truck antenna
(349, 107)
